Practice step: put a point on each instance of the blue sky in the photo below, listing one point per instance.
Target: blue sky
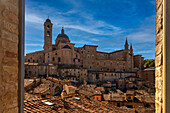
(105, 23)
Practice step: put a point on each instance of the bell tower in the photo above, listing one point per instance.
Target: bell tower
(47, 35)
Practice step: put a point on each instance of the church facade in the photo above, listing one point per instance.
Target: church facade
(62, 59)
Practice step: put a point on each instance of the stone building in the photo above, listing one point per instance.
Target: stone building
(86, 63)
(147, 74)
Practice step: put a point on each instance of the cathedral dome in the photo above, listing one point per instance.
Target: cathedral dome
(62, 35)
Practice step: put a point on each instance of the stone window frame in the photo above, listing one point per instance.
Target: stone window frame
(165, 61)
(21, 49)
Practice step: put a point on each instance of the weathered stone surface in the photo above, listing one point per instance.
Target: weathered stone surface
(9, 56)
(11, 7)
(159, 57)
(10, 69)
(159, 3)
(10, 61)
(10, 78)
(13, 28)
(160, 84)
(9, 47)
(159, 48)
(158, 72)
(159, 37)
(12, 110)
(2, 92)
(10, 16)
(9, 36)
(158, 60)
(12, 2)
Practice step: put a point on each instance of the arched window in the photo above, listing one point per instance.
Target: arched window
(48, 33)
(48, 27)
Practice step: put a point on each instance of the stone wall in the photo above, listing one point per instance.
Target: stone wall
(9, 13)
(159, 58)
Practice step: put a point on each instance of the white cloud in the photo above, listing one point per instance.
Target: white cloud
(85, 22)
(146, 31)
(141, 37)
(34, 18)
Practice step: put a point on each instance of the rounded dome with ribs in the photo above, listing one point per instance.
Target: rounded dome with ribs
(62, 37)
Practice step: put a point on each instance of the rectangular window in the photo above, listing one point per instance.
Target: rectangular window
(59, 59)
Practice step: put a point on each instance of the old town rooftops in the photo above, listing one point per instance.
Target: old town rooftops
(71, 105)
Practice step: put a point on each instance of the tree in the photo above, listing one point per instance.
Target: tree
(149, 63)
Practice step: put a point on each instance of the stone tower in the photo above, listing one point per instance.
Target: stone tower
(126, 45)
(131, 49)
(127, 54)
(131, 53)
(47, 35)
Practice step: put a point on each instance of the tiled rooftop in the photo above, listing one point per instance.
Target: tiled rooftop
(79, 102)
(71, 105)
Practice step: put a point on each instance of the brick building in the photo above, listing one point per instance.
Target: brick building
(86, 63)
